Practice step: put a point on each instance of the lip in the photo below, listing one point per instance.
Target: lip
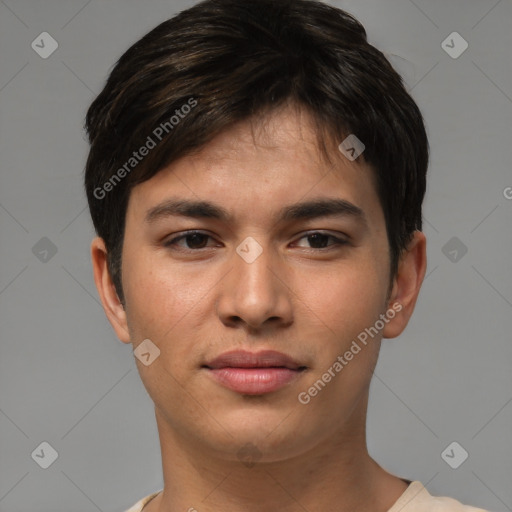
(252, 373)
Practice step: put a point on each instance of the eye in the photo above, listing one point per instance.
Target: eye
(194, 239)
(317, 238)
(197, 240)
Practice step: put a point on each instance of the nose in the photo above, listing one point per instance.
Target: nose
(255, 294)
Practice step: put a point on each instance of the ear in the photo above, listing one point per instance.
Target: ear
(407, 284)
(111, 304)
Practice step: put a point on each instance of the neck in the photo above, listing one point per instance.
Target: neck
(336, 475)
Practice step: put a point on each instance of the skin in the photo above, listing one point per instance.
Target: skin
(296, 297)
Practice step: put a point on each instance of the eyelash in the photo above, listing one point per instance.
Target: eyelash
(172, 243)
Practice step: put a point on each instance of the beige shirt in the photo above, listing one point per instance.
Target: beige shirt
(415, 499)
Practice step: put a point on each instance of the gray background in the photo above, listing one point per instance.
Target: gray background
(67, 380)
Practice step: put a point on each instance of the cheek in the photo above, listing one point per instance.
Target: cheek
(162, 305)
(157, 296)
(170, 305)
(345, 298)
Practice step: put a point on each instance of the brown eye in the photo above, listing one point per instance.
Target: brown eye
(194, 240)
(319, 240)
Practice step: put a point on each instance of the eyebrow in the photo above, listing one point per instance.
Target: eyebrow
(325, 207)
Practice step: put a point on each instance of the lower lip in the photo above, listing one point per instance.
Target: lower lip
(254, 381)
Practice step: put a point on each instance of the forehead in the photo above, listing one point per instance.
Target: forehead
(258, 166)
(285, 133)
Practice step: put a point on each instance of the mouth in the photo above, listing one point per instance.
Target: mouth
(251, 373)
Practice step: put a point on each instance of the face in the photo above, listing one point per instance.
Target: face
(264, 297)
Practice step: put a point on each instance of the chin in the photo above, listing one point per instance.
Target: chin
(262, 436)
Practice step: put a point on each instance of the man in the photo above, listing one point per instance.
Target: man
(255, 179)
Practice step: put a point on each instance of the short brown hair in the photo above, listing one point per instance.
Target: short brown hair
(236, 59)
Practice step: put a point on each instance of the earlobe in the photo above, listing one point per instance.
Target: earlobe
(111, 304)
(407, 284)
